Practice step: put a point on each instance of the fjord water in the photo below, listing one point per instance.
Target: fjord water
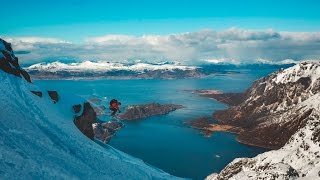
(166, 141)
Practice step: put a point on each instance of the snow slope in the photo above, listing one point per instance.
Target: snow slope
(39, 140)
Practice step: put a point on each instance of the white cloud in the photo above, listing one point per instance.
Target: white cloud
(36, 40)
(232, 45)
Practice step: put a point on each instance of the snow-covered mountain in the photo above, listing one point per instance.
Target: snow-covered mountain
(137, 70)
(39, 139)
(107, 67)
(89, 69)
(280, 110)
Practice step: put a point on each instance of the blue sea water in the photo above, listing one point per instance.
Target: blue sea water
(166, 141)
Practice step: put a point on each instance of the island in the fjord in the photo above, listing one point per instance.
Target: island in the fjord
(135, 112)
(104, 131)
(280, 111)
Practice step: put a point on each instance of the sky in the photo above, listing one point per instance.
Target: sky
(153, 30)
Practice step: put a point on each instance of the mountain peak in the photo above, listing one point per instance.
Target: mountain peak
(301, 70)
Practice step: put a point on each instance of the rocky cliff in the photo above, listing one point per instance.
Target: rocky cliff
(268, 100)
(282, 111)
(9, 62)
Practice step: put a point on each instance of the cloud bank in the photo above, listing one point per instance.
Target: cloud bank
(230, 46)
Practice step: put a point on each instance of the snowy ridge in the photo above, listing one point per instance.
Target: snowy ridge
(287, 103)
(106, 67)
(40, 140)
(298, 159)
(4, 48)
(294, 73)
(309, 71)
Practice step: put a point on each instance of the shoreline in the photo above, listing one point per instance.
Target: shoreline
(220, 128)
(254, 145)
(208, 131)
(230, 99)
(208, 127)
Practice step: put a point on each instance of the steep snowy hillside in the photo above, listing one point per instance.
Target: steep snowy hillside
(280, 109)
(39, 139)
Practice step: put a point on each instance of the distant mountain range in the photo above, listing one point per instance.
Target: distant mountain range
(111, 70)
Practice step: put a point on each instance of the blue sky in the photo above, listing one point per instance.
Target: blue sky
(77, 19)
(179, 30)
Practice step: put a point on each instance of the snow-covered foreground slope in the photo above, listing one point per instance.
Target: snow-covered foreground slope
(299, 158)
(40, 140)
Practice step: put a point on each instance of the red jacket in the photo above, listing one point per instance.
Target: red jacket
(115, 105)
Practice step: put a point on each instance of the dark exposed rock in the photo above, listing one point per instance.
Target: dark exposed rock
(102, 133)
(200, 123)
(105, 131)
(135, 112)
(54, 96)
(25, 75)
(85, 120)
(305, 81)
(280, 110)
(76, 108)
(113, 125)
(38, 93)
(262, 105)
(207, 126)
(88, 125)
(229, 98)
(9, 63)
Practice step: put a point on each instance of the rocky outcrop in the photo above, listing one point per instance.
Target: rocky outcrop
(85, 120)
(9, 62)
(88, 123)
(280, 110)
(38, 93)
(207, 126)
(298, 158)
(200, 123)
(227, 98)
(105, 131)
(267, 101)
(76, 108)
(54, 96)
(135, 112)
